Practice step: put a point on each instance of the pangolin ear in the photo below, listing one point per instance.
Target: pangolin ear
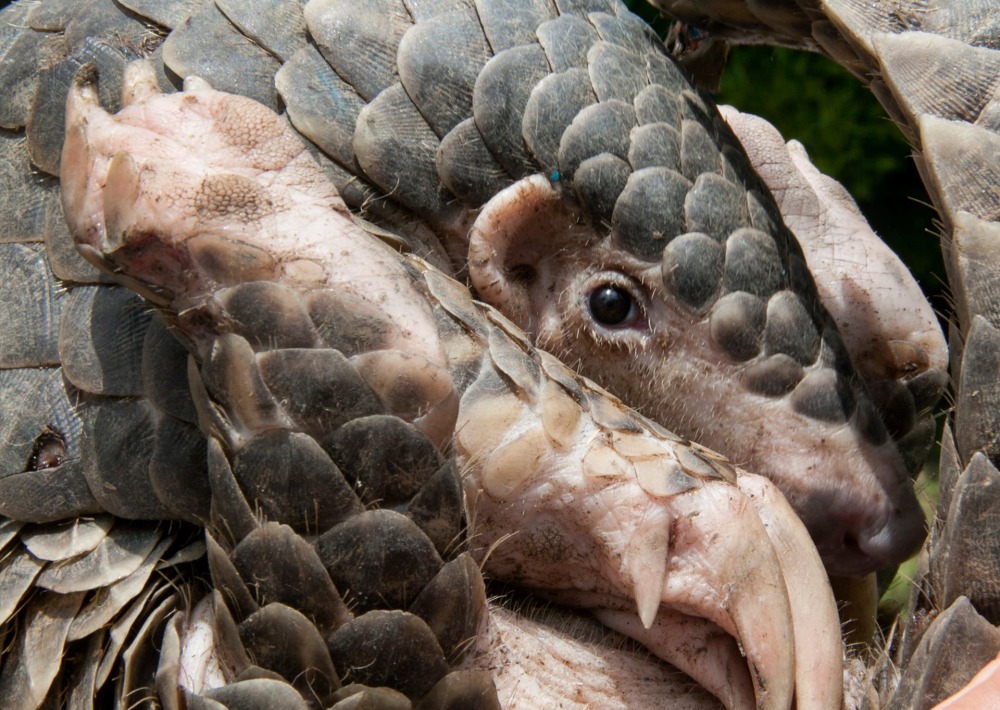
(512, 238)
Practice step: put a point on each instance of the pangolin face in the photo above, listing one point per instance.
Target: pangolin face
(670, 277)
(583, 96)
(720, 336)
(570, 493)
(904, 59)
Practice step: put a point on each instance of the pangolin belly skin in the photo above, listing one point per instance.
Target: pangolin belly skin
(566, 161)
(210, 206)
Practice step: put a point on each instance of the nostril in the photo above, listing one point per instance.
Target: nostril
(847, 552)
(855, 535)
(851, 544)
(900, 537)
(897, 539)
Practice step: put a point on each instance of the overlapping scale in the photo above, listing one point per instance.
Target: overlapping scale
(933, 66)
(392, 139)
(22, 53)
(467, 167)
(208, 45)
(279, 27)
(552, 105)
(510, 23)
(360, 41)
(299, 492)
(534, 133)
(29, 327)
(83, 615)
(566, 40)
(321, 105)
(438, 63)
(501, 92)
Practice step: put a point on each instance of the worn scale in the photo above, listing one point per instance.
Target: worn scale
(351, 396)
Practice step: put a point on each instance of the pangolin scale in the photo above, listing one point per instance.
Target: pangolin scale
(111, 412)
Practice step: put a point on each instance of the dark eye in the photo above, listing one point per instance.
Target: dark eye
(611, 305)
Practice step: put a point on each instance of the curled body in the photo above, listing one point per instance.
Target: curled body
(595, 196)
(663, 540)
(461, 120)
(105, 468)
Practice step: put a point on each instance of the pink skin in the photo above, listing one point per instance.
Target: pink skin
(583, 501)
(249, 162)
(856, 498)
(886, 322)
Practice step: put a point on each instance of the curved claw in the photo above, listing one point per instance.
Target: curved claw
(140, 83)
(818, 668)
(725, 575)
(752, 602)
(720, 570)
(818, 648)
(609, 511)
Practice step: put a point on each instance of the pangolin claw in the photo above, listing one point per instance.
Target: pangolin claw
(610, 513)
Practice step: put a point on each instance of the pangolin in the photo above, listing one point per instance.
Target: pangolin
(537, 196)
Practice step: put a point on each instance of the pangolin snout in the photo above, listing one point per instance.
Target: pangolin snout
(854, 538)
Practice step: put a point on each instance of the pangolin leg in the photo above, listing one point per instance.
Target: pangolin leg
(608, 510)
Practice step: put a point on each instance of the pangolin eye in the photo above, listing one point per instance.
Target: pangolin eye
(611, 305)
